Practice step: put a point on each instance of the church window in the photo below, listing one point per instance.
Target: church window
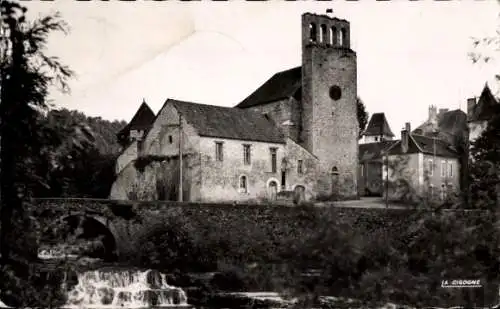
(333, 36)
(300, 167)
(322, 34)
(219, 151)
(243, 183)
(246, 154)
(274, 160)
(443, 168)
(170, 140)
(312, 32)
(450, 169)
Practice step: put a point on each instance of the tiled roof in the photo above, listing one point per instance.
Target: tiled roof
(378, 125)
(425, 144)
(281, 85)
(142, 119)
(373, 151)
(486, 106)
(227, 122)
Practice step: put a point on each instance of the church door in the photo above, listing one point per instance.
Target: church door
(272, 190)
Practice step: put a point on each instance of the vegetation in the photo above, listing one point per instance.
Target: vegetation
(362, 116)
(373, 255)
(40, 152)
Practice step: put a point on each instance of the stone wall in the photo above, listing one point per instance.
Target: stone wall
(280, 112)
(127, 156)
(221, 179)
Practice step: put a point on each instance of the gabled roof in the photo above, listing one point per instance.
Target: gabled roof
(142, 119)
(373, 151)
(280, 86)
(228, 122)
(486, 107)
(426, 145)
(377, 126)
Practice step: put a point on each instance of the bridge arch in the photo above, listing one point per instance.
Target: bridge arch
(87, 226)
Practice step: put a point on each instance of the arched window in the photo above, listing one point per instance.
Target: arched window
(335, 171)
(333, 36)
(341, 37)
(322, 34)
(243, 183)
(312, 32)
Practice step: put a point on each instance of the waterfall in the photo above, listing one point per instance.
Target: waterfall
(124, 289)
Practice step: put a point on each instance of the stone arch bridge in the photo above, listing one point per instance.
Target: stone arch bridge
(121, 222)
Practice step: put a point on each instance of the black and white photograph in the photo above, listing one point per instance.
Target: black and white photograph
(293, 154)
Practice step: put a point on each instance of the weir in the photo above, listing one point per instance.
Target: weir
(122, 288)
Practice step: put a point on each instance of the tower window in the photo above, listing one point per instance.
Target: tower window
(312, 32)
(170, 140)
(322, 34)
(300, 167)
(343, 37)
(333, 36)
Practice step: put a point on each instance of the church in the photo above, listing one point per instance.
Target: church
(295, 136)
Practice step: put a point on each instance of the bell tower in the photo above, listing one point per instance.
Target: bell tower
(329, 96)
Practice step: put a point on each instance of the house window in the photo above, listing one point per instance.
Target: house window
(243, 184)
(300, 167)
(450, 169)
(274, 160)
(219, 154)
(431, 191)
(170, 140)
(430, 167)
(246, 154)
(443, 168)
(376, 138)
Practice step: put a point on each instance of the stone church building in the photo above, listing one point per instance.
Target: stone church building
(295, 136)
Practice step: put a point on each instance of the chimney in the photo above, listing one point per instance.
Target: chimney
(471, 102)
(405, 136)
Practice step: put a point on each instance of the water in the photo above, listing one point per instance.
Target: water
(124, 288)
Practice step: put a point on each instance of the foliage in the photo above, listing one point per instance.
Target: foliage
(32, 146)
(371, 255)
(362, 116)
(485, 165)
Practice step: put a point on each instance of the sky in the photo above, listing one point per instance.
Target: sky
(410, 54)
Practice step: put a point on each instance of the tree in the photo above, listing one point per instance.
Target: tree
(26, 74)
(362, 115)
(485, 165)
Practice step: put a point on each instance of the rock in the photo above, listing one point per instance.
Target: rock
(106, 295)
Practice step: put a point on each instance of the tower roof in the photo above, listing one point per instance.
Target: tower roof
(486, 107)
(377, 126)
(142, 119)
